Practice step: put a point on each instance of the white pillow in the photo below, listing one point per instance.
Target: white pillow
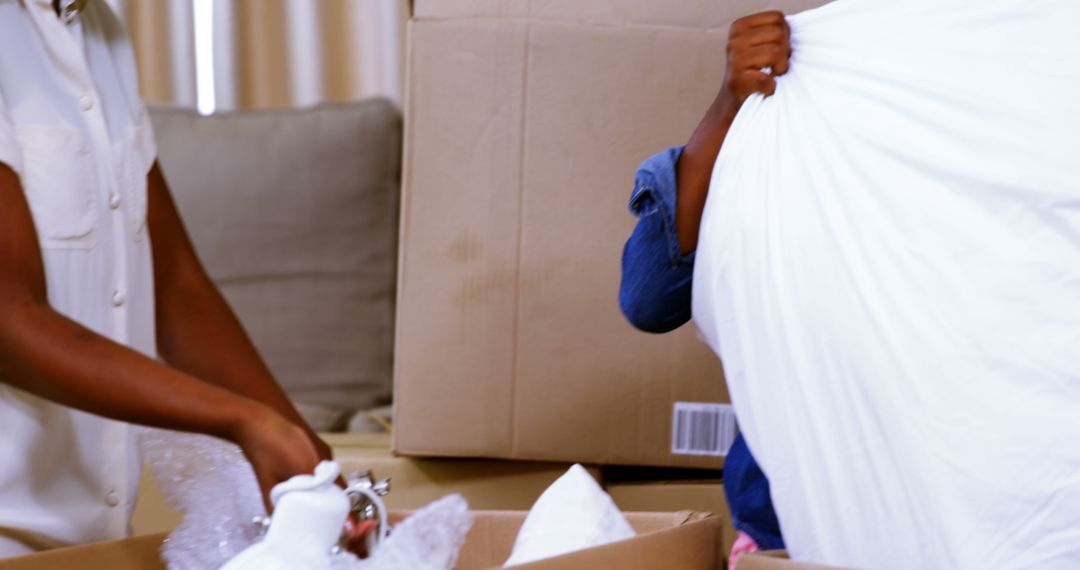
(574, 513)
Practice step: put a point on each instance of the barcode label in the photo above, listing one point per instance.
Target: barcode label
(699, 428)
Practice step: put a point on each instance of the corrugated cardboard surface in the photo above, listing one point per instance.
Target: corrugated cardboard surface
(775, 560)
(666, 540)
(684, 541)
(671, 496)
(663, 496)
(485, 484)
(140, 553)
(702, 14)
(525, 121)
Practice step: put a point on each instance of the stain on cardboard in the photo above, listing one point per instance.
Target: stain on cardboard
(466, 248)
(486, 287)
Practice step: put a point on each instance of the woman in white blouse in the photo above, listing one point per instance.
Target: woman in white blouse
(106, 315)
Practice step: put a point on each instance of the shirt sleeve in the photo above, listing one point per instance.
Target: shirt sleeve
(10, 152)
(656, 278)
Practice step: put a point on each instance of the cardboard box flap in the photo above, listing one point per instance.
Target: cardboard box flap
(696, 545)
(776, 560)
(493, 533)
(699, 14)
(140, 552)
(490, 539)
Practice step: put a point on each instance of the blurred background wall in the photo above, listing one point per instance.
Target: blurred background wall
(220, 55)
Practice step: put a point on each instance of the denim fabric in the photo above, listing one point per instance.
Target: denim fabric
(656, 278)
(655, 296)
(747, 491)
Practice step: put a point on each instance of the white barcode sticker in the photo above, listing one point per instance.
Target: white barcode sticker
(699, 428)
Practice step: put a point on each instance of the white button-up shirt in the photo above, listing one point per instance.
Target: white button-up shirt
(74, 129)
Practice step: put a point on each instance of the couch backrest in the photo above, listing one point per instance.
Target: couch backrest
(295, 216)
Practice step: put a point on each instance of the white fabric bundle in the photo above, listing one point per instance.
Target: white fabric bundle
(889, 267)
(573, 514)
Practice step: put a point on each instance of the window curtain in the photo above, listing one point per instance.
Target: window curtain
(267, 53)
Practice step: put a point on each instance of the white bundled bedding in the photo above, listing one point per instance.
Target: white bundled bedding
(889, 267)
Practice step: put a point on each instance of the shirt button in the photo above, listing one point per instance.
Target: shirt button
(114, 200)
(112, 498)
(86, 103)
(117, 298)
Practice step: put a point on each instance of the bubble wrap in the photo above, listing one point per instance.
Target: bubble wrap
(430, 539)
(213, 484)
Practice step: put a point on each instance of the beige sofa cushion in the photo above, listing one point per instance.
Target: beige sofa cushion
(294, 214)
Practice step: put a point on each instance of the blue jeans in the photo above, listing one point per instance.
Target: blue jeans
(655, 296)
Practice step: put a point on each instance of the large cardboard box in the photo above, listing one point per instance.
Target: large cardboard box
(687, 541)
(484, 483)
(525, 121)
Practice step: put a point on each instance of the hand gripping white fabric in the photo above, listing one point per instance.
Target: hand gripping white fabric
(889, 267)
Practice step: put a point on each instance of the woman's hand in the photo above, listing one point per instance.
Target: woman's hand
(277, 448)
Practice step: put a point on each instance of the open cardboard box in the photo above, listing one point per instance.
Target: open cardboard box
(688, 541)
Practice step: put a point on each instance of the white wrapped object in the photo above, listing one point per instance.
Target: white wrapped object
(212, 483)
(889, 267)
(573, 514)
(309, 513)
(307, 522)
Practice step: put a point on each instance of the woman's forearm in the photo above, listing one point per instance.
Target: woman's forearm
(47, 354)
(198, 333)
